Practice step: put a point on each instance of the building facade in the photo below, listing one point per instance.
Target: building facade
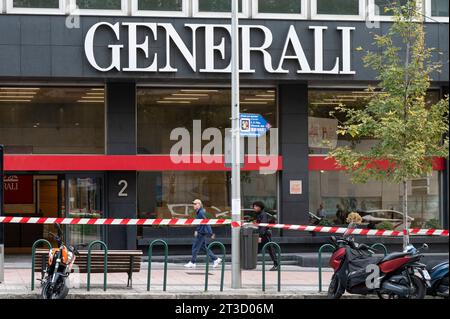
(120, 109)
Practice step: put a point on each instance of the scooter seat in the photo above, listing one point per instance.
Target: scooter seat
(394, 256)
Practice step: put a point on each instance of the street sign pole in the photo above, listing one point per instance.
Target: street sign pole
(236, 281)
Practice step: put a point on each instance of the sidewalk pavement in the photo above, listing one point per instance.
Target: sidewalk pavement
(296, 283)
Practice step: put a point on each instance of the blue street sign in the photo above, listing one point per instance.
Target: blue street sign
(253, 125)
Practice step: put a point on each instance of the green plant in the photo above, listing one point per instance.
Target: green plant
(406, 132)
(433, 224)
(385, 225)
(417, 223)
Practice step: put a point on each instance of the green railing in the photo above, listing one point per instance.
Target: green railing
(150, 255)
(320, 262)
(222, 247)
(33, 255)
(105, 264)
(278, 248)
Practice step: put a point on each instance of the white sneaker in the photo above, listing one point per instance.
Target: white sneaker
(189, 265)
(217, 262)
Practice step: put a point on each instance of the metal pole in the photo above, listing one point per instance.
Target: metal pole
(2, 247)
(236, 282)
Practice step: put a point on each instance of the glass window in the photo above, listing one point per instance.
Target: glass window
(439, 8)
(84, 201)
(383, 5)
(45, 120)
(170, 194)
(99, 4)
(375, 201)
(279, 6)
(216, 5)
(322, 125)
(47, 4)
(160, 5)
(161, 111)
(341, 7)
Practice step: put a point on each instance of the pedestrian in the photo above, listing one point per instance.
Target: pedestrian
(201, 234)
(265, 235)
(341, 215)
(321, 213)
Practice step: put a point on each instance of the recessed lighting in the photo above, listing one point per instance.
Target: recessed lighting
(16, 97)
(11, 88)
(91, 101)
(190, 94)
(17, 93)
(200, 91)
(97, 89)
(265, 95)
(255, 99)
(182, 98)
(15, 100)
(173, 102)
(95, 93)
(257, 103)
(93, 97)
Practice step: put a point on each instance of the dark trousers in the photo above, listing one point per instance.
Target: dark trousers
(264, 240)
(200, 244)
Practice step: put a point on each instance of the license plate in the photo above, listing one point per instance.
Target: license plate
(426, 275)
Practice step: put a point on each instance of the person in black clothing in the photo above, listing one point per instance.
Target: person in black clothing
(265, 234)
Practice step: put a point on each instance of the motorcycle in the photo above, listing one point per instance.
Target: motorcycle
(357, 271)
(59, 267)
(439, 279)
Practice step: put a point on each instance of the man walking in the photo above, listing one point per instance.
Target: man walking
(202, 232)
(265, 234)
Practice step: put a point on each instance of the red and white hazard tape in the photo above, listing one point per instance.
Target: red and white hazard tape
(353, 231)
(112, 221)
(193, 222)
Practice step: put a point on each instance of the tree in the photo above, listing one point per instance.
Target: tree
(407, 132)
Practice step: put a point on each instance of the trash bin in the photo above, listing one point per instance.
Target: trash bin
(249, 246)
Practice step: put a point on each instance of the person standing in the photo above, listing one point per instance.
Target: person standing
(201, 234)
(265, 235)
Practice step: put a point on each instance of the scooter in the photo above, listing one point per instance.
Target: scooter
(395, 276)
(439, 279)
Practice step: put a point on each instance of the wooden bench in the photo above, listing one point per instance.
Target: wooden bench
(119, 261)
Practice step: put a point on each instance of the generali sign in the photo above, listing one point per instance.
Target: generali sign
(214, 48)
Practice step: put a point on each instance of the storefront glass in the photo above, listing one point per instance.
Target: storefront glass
(84, 200)
(162, 111)
(340, 197)
(44, 120)
(170, 194)
(323, 120)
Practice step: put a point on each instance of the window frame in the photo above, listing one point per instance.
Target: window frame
(14, 10)
(90, 12)
(135, 12)
(430, 17)
(303, 15)
(200, 14)
(339, 17)
(373, 17)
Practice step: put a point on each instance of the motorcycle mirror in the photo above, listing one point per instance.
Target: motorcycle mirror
(425, 246)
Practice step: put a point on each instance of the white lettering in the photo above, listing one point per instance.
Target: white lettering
(133, 47)
(300, 56)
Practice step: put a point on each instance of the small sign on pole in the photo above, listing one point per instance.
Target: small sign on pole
(296, 188)
(253, 125)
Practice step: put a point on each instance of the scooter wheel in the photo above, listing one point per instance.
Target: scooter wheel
(334, 290)
(419, 288)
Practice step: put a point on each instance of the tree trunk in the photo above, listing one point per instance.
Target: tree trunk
(405, 215)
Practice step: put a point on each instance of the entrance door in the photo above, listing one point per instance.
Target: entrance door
(84, 199)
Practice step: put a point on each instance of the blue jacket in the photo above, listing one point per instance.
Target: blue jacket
(203, 229)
